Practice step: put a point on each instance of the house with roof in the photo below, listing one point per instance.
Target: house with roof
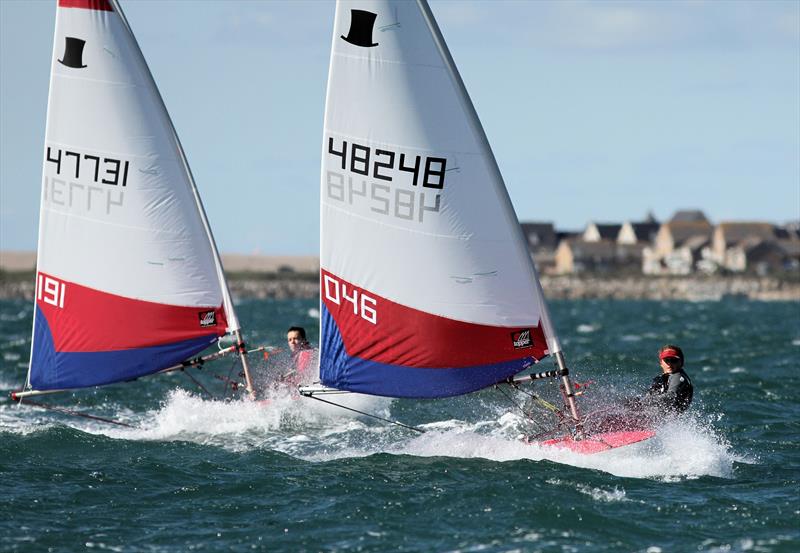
(542, 239)
(633, 238)
(759, 256)
(576, 255)
(791, 248)
(540, 236)
(755, 246)
(678, 244)
(789, 240)
(674, 234)
(732, 240)
(596, 232)
(689, 216)
(643, 232)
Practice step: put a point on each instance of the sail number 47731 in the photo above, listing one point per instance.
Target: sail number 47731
(341, 292)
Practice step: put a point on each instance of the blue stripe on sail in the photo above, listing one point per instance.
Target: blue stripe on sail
(53, 370)
(340, 370)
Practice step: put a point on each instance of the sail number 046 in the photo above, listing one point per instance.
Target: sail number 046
(363, 304)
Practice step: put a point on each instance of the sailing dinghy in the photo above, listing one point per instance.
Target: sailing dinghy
(129, 281)
(427, 287)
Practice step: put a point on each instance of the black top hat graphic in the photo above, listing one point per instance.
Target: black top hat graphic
(361, 24)
(73, 53)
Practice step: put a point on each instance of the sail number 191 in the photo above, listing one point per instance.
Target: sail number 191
(50, 290)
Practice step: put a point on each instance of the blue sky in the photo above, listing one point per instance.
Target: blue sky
(595, 110)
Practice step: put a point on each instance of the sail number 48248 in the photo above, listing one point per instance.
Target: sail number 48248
(341, 292)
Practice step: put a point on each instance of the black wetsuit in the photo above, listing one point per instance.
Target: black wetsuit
(673, 391)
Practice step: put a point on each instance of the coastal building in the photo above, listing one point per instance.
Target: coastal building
(643, 232)
(540, 235)
(678, 244)
(595, 232)
(759, 247)
(689, 216)
(633, 238)
(758, 256)
(684, 259)
(576, 255)
(542, 240)
(673, 235)
(734, 239)
(791, 248)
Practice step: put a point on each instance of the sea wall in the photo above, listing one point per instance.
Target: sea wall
(284, 286)
(671, 288)
(281, 277)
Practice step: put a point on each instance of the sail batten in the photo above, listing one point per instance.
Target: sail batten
(129, 280)
(427, 286)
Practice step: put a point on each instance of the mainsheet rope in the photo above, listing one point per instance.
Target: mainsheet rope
(543, 403)
(398, 423)
(199, 384)
(73, 413)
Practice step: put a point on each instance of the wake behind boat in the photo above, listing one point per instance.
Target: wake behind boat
(427, 287)
(129, 281)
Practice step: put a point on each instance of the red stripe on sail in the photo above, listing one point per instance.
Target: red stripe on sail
(405, 336)
(83, 319)
(100, 5)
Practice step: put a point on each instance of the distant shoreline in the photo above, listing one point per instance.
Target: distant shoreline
(688, 288)
(285, 277)
(252, 285)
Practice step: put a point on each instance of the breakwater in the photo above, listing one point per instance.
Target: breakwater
(691, 288)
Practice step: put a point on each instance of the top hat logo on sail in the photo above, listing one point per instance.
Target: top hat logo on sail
(361, 24)
(73, 53)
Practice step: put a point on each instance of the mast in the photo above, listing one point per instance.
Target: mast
(40, 236)
(233, 321)
(553, 342)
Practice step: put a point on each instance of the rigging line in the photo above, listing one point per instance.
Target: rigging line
(511, 400)
(229, 385)
(199, 384)
(542, 402)
(74, 413)
(520, 407)
(228, 382)
(398, 423)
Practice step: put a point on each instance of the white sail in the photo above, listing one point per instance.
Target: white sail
(427, 285)
(128, 277)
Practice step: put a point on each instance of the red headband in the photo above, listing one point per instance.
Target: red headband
(669, 353)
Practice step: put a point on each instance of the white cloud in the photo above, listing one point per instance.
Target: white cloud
(621, 25)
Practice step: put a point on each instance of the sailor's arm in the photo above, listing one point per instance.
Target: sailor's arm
(677, 388)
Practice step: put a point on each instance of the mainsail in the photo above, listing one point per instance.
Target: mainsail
(427, 286)
(128, 279)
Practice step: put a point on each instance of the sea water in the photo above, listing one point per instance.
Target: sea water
(197, 473)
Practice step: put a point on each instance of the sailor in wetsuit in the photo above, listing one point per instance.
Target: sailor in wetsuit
(670, 393)
(671, 390)
(302, 356)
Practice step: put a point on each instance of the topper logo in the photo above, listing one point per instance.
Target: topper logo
(50, 290)
(522, 339)
(207, 318)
